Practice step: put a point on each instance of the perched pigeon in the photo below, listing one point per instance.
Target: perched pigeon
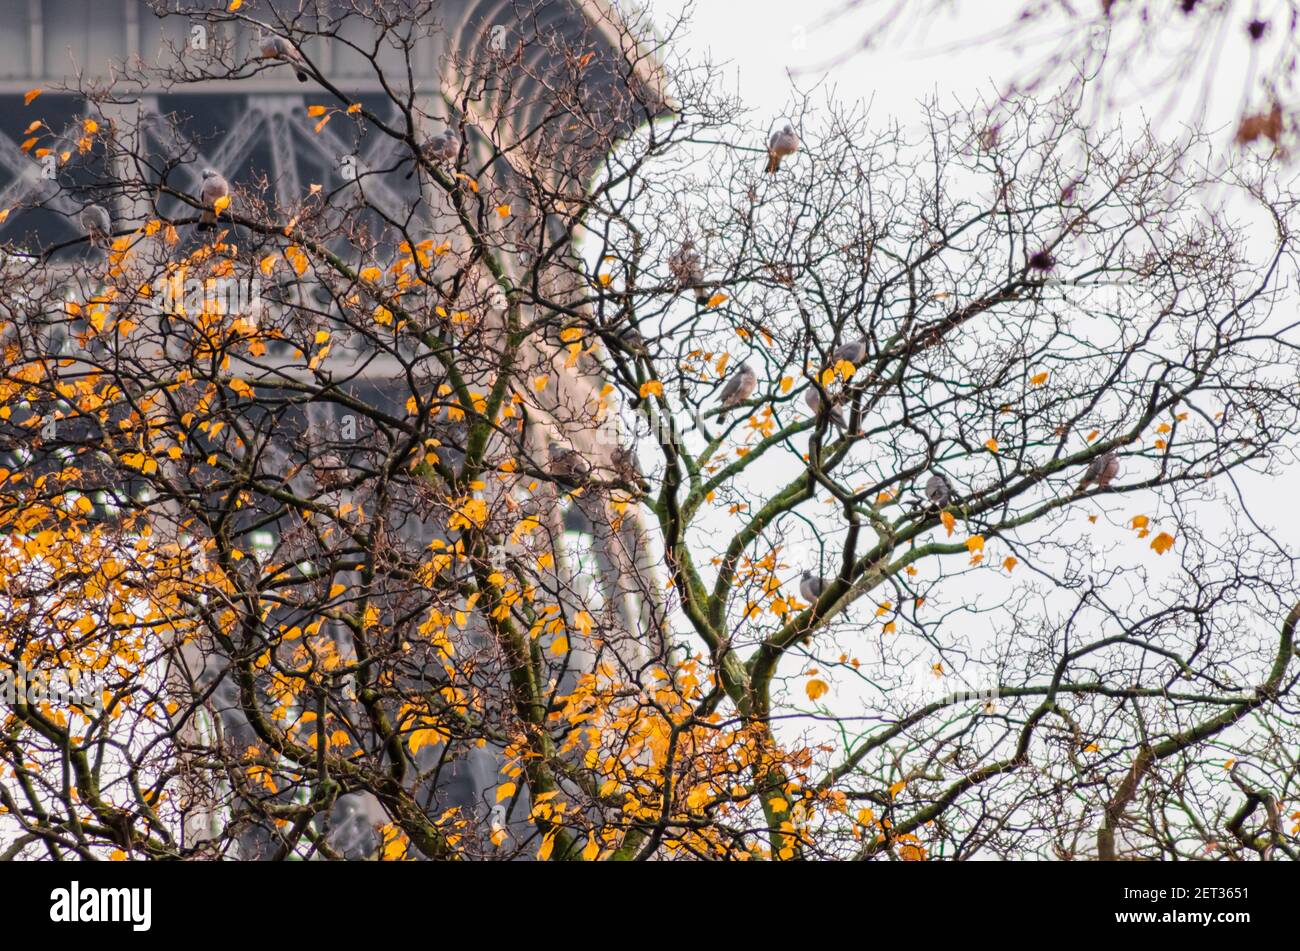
(855, 351)
(568, 464)
(97, 224)
(814, 401)
(782, 143)
(273, 46)
(441, 148)
(213, 188)
(738, 389)
(1101, 470)
(628, 467)
(938, 489)
(329, 470)
(631, 340)
(686, 269)
(444, 147)
(811, 587)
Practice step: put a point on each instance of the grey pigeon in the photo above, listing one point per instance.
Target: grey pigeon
(628, 467)
(855, 351)
(568, 464)
(631, 340)
(811, 587)
(938, 489)
(441, 148)
(1100, 470)
(738, 389)
(97, 224)
(214, 187)
(273, 46)
(687, 270)
(814, 401)
(782, 143)
(329, 470)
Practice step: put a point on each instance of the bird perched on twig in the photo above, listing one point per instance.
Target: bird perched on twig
(855, 351)
(568, 464)
(631, 340)
(97, 223)
(811, 587)
(738, 389)
(686, 269)
(214, 187)
(814, 401)
(274, 46)
(329, 470)
(1101, 470)
(628, 467)
(938, 489)
(443, 148)
(783, 142)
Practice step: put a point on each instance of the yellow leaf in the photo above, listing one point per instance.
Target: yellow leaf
(85, 506)
(1038, 379)
(560, 646)
(1090, 748)
(816, 688)
(503, 211)
(315, 111)
(716, 299)
(235, 5)
(897, 788)
(948, 521)
(991, 445)
(787, 384)
(548, 844)
(505, 791)
(221, 204)
(652, 386)
(1009, 563)
(354, 108)
(320, 125)
(975, 543)
(592, 850)
(1162, 543)
(30, 95)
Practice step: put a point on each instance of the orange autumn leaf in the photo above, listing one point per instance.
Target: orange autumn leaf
(1162, 543)
(30, 95)
(991, 445)
(816, 688)
(652, 387)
